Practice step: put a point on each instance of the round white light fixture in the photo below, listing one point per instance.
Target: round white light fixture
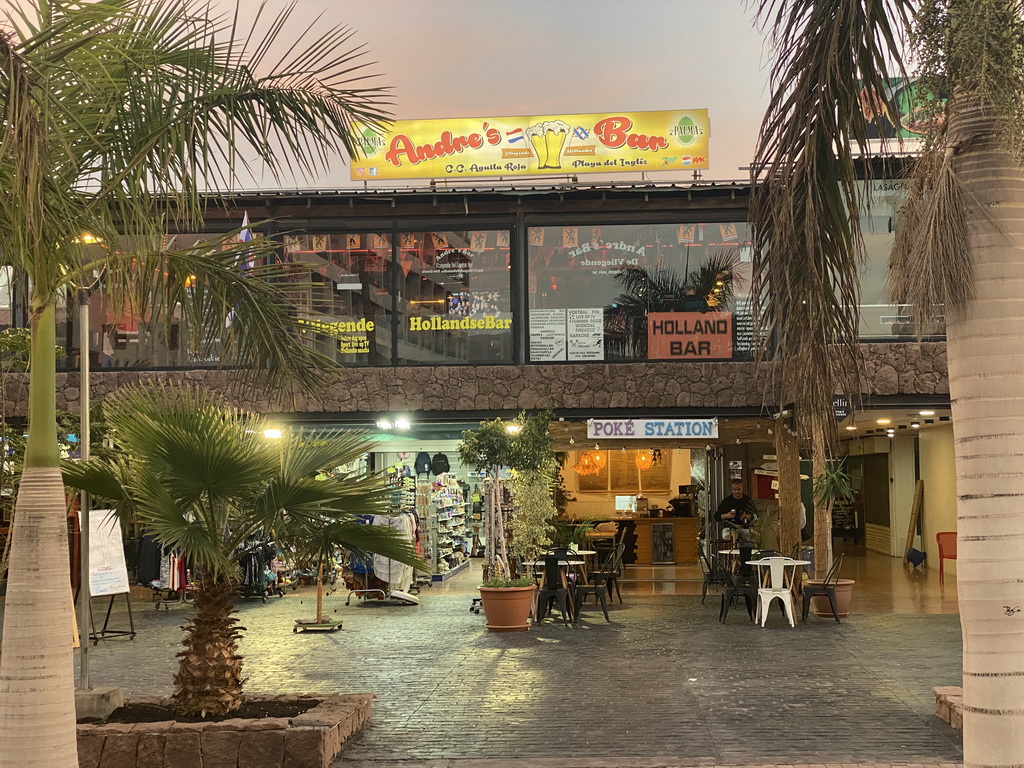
(272, 434)
(915, 425)
(402, 424)
(384, 424)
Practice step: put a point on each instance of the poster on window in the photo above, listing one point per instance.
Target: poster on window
(547, 335)
(585, 333)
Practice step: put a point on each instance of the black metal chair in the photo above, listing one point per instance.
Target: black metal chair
(553, 589)
(744, 586)
(599, 589)
(713, 572)
(609, 572)
(826, 588)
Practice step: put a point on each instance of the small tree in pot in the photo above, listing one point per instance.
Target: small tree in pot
(525, 447)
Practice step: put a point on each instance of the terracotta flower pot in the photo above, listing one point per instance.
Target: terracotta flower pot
(508, 608)
(844, 593)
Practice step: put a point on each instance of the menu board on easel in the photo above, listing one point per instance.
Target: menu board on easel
(108, 573)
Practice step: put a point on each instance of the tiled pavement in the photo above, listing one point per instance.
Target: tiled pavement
(663, 685)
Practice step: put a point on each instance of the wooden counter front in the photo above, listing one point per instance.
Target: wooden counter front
(684, 539)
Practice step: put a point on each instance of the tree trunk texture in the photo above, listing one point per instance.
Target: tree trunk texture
(822, 511)
(787, 457)
(986, 382)
(209, 679)
(37, 690)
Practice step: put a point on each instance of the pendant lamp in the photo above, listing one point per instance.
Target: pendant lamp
(644, 460)
(599, 458)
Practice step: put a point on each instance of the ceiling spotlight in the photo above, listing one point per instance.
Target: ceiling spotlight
(851, 428)
(402, 424)
(915, 425)
(884, 421)
(926, 413)
(384, 424)
(513, 429)
(272, 434)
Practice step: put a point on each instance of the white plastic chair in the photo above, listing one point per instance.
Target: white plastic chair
(781, 573)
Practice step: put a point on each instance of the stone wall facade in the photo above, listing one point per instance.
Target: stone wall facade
(890, 369)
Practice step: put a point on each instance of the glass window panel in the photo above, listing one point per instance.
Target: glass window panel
(343, 284)
(454, 297)
(640, 292)
(879, 317)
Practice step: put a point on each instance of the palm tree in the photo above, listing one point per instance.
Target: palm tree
(958, 252)
(203, 478)
(115, 116)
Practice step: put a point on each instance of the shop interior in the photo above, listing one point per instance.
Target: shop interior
(656, 496)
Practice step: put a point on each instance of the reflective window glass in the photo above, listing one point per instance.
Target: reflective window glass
(454, 298)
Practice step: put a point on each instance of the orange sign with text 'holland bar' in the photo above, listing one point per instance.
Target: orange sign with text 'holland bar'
(689, 336)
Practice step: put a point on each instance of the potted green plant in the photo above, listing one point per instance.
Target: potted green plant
(514, 534)
(831, 485)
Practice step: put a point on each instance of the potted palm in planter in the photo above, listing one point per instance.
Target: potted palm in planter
(518, 534)
(831, 485)
(203, 478)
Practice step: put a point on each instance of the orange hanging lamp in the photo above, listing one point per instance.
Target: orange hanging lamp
(644, 460)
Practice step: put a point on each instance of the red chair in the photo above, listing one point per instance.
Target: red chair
(947, 550)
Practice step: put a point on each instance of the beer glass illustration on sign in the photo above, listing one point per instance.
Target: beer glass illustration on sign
(547, 139)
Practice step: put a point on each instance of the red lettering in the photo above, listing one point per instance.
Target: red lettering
(447, 145)
(401, 145)
(613, 132)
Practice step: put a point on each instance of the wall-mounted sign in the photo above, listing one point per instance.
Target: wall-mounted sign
(645, 429)
(689, 336)
(545, 144)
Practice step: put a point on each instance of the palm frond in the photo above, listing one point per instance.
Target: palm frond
(807, 201)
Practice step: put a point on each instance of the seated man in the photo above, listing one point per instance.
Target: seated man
(736, 514)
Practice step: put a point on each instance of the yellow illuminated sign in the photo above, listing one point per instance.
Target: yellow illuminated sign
(529, 146)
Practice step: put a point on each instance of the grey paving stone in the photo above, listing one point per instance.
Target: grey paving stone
(663, 684)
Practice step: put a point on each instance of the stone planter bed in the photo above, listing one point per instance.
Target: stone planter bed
(311, 739)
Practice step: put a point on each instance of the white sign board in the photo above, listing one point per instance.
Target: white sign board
(585, 332)
(645, 429)
(108, 574)
(547, 335)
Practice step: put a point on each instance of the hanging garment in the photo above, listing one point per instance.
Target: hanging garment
(147, 570)
(396, 574)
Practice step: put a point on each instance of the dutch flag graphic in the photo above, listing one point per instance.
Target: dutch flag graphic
(514, 135)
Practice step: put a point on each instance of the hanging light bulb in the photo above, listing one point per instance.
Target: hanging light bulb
(572, 440)
(600, 459)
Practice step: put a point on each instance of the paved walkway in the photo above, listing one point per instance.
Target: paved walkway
(663, 685)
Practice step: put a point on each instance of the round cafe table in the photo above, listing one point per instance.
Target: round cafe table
(767, 560)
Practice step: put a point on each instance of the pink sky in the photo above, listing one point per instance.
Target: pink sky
(480, 58)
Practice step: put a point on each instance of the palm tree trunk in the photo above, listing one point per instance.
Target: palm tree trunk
(986, 360)
(209, 679)
(822, 510)
(37, 692)
(787, 457)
